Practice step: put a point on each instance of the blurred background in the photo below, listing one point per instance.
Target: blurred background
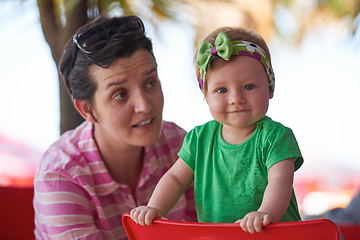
(315, 47)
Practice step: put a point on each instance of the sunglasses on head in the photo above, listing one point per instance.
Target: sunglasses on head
(93, 39)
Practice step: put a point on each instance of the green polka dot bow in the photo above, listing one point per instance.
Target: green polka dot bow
(225, 48)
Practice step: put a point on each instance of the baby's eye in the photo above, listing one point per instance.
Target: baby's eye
(222, 90)
(249, 87)
(120, 95)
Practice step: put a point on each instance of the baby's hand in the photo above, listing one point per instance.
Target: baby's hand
(254, 221)
(144, 215)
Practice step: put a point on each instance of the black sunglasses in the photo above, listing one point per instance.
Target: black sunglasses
(90, 40)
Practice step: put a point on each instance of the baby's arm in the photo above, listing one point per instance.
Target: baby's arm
(276, 197)
(166, 193)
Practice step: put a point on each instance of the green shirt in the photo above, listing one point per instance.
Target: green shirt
(230, 180)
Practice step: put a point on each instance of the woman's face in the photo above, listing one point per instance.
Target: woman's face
(128, 101)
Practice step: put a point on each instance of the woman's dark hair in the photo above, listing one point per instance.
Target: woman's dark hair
(74, 63)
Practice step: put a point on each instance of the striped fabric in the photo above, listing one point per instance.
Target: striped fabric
(76, 198)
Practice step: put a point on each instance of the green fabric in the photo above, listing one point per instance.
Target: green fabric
(224, 48)
(230, 180)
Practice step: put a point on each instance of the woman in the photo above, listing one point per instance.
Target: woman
(111, 162)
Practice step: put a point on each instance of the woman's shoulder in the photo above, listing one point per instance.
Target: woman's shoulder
(171, 131)
(69, 148)
(163, 153)
(72, 140)
(171, 126)
(171, 137)
(75, 158)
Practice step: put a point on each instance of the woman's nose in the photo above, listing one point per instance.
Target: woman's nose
(142, 103)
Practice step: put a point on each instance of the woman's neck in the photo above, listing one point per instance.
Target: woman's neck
(124, 162)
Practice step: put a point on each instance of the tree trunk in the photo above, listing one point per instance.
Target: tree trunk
(57, 35)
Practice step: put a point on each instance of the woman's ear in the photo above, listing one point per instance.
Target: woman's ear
(84, 108)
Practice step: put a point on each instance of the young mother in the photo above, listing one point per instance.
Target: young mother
(112, 162)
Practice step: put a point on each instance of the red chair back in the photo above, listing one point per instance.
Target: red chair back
(349, 231)
(165, 229)
(16, 213)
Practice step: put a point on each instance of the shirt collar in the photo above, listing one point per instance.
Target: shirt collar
(104, 184)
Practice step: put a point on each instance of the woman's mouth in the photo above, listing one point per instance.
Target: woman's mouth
(143, 123)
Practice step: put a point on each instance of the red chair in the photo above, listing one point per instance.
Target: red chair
(349, 231)
(16, 213)
(165, 229)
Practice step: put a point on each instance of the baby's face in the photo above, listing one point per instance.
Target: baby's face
(238, 92)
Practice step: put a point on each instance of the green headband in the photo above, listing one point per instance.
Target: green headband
(225, 48)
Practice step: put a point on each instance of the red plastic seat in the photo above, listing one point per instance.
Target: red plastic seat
(349, 231)
(165, 229)
(16, 213)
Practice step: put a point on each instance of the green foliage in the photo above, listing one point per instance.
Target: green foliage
(339, 7)
(71, 14)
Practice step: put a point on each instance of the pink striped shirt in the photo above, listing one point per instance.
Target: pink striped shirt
(76, 198)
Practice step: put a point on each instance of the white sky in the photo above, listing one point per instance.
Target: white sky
(317, 86)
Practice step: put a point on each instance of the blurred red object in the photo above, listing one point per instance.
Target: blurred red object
(18, 163)
(165, 229)
(325, 184)
(349, 231)
(17, 213)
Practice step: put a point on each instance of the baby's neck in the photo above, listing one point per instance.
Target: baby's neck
(234, 135)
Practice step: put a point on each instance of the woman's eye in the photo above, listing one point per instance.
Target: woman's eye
(151, 83)
(249, 87)
(120, 95)
(222, 90)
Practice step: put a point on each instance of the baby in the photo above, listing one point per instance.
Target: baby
(242, 163)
